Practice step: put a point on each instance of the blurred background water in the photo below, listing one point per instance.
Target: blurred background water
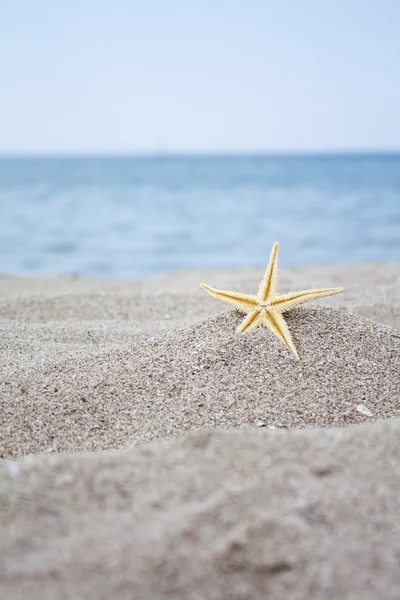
(133, 217)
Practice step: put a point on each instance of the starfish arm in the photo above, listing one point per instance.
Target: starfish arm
(252, 321)
(289, 301)
(269, 283)
(242, 302)
(277, 324)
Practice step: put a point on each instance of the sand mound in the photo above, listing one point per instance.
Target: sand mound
(242, 514)
(251, 513)
(203, 376)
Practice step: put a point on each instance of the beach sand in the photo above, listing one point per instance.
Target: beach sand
(148, 451)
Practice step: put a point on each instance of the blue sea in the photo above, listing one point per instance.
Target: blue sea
(134, 217)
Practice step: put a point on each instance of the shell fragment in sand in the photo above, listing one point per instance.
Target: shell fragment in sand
(364, 410)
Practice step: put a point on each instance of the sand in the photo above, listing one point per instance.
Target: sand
(150, 452)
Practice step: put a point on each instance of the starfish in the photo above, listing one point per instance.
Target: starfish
(266, 308)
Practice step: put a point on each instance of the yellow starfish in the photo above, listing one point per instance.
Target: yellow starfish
(266, 308)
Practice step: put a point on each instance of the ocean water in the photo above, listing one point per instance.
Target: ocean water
(134, 217)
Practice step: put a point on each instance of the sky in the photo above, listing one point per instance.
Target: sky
(94, 76)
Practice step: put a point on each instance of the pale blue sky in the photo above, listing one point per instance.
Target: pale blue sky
(256, 75)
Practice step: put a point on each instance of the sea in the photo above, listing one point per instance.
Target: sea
(133, 217)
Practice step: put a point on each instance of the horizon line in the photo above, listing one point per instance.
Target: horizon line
(196, 153)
